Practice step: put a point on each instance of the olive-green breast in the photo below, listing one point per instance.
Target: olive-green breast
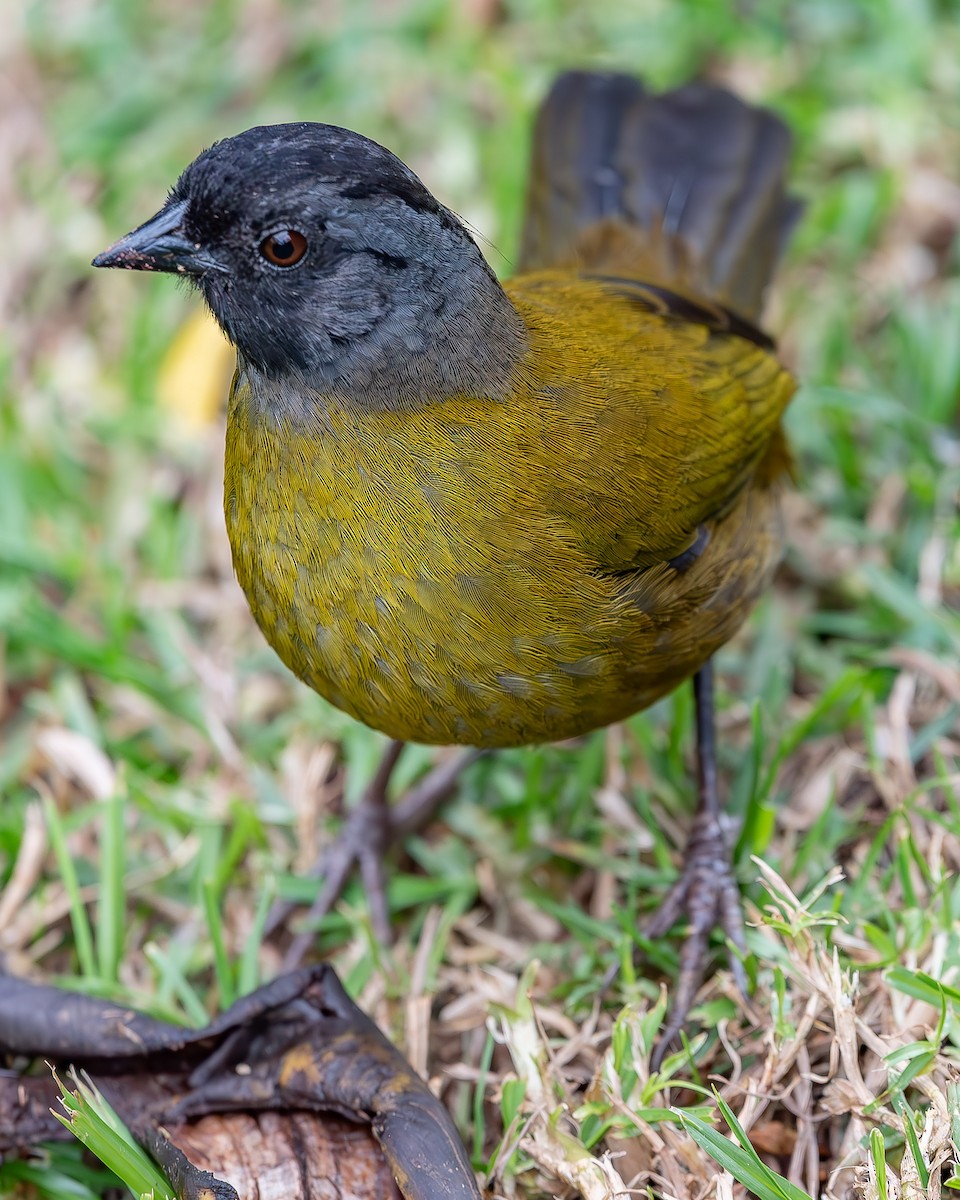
(480, 572)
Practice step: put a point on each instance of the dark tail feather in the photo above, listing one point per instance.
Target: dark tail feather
(687, 187)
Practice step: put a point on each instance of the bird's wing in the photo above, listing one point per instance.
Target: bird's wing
(654, 411)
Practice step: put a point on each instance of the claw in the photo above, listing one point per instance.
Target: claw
(706, 892)
(371, 830)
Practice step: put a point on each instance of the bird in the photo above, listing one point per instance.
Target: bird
(489, 513)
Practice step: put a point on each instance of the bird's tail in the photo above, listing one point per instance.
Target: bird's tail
(685, 189)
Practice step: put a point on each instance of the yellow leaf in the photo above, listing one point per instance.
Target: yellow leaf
(195, 373)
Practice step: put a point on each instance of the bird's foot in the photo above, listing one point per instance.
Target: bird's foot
(708, 895)
(362, 845)
(371, 831)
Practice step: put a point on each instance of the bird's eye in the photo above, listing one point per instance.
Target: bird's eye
(284, 248)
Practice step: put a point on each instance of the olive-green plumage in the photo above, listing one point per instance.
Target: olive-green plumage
(498, 572)
(495, 516)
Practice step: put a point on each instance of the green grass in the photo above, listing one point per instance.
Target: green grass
(94, 1123)
(181, 776)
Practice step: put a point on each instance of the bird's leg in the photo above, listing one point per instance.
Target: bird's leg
(371, 830)
(706, 891)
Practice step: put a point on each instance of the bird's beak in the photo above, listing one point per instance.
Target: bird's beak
(160, 244)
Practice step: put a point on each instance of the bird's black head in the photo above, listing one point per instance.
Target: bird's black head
(321, 255)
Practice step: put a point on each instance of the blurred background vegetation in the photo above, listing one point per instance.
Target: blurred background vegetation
(162, 777)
